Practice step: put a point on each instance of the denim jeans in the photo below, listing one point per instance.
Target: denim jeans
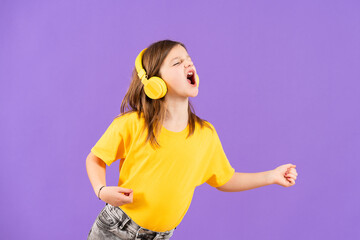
(114, 224)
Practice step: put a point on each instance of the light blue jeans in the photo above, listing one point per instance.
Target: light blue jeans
(114, 224)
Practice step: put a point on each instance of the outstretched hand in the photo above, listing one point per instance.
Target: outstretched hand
(284, 175)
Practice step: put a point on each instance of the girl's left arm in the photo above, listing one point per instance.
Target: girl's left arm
(284, 175)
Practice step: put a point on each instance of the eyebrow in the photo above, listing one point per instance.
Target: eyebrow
(178, 57)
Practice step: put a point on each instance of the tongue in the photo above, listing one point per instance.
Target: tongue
(189, 81)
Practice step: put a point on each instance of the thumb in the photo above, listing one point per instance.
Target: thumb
(292, 165)
(125, 190)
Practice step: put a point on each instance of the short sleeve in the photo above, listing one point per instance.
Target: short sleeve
(219, 171)
(112, 144)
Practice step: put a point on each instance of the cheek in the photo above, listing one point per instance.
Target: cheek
(172, 79)
(170, 84)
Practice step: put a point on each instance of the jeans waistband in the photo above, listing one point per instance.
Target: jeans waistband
(134, 226)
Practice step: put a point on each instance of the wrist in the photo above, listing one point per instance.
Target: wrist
(99, 191)
(269, 176)
(97, 188)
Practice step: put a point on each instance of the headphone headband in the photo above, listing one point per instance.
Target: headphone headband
(139, 68)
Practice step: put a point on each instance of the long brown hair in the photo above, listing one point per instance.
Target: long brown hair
(135, 99)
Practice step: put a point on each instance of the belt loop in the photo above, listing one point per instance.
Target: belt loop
(124, 222)
(137, 233)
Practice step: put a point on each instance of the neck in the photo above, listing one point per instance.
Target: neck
(177, 110)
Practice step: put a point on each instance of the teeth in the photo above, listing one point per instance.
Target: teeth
(190, 73)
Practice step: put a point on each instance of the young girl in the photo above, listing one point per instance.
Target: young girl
(165, 152)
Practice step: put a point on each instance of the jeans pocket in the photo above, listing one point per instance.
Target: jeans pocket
(107, 219)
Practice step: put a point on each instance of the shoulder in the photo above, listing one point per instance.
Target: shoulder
(127, 116)
(208, 135)
(128, 119)
(206, 127)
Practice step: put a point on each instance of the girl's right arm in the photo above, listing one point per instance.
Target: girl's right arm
(96, 169)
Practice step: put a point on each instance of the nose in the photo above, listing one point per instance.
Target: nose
(188, 63)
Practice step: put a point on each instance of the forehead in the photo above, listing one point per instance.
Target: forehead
(176, 52)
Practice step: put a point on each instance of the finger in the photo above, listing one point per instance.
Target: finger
(289, 175)
(290, 166)
(124, 190)
(288, 182)
(125, 199)
(293, 171)
(292, 181)
(131, 199)
(129, 194)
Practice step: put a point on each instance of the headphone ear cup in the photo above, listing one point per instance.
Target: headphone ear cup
(197, 80)
(155, 88)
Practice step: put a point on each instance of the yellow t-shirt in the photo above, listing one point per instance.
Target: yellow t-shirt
(163, 179)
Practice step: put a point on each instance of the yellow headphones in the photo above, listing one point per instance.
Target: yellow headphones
(154, 87)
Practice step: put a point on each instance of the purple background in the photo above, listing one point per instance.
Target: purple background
(279, 81)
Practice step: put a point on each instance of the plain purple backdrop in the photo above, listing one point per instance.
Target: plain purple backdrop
(279, 80)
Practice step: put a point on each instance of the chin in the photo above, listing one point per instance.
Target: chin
(194, 94)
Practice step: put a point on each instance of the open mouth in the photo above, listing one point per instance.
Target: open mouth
(191, 78)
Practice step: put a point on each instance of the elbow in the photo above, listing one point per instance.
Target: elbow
(229, 186)
(93, 159)
(224, 188)
(221, 189)
(89, 158)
